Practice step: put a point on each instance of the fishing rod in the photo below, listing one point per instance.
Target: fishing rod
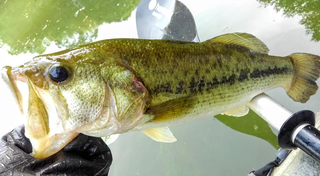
(295, 130)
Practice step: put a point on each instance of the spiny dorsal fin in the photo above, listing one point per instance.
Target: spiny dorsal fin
(160, 135)
(237, 112)
(243, 39)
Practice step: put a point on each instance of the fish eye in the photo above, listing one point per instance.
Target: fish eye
(58, 73)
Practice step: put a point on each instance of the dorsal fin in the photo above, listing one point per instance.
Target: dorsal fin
(243, 39)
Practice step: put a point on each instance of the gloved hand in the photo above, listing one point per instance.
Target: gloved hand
(85, 155)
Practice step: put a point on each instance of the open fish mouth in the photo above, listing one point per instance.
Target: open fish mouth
(45, 141)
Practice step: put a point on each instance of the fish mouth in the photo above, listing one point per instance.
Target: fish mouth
(45, 142)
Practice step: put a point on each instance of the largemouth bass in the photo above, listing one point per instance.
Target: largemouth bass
(120, 85)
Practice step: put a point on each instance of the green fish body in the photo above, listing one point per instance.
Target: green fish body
(119, 85)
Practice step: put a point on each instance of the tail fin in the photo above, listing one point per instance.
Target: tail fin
(307, 68)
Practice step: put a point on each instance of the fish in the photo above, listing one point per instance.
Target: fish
(116, 86)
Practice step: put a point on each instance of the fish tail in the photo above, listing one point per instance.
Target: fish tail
(307, 71)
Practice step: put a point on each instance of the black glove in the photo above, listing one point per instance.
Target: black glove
(85, 155)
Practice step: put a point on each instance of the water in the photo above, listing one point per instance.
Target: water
(210, 146)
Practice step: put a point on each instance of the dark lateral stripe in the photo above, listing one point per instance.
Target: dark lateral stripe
(199, 85)
(263, 73)
(163, 88)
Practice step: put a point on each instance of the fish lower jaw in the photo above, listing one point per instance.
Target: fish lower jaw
(49, 145)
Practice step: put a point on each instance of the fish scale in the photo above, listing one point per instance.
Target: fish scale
(169, 75)
(214, 102)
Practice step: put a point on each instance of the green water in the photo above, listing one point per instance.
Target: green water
(211, 146)
(30, 26)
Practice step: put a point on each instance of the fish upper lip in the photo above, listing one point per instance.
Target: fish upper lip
(10, 76)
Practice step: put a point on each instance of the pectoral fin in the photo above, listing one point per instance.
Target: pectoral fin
(237, 112)
(110, 139)
(243, 39)
(171, 110)
(160, 134)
